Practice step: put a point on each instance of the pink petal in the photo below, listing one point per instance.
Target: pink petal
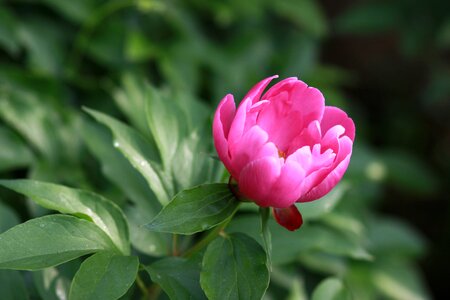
(284, 85)
(252, 146)
(256, 91)
(326, 181)
(257, 177)
(245, 117)
(293, 106)
(287, 189)
(290, 218)
(308, 137)
(221, 125)
(334, 116)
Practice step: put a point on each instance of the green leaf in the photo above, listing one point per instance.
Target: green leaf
(146, 241)
(141, 154)
(12, 285)
(287, 246)
(266, 236)
(8, 31)
(54, 283)
(399, 281)
(117, 169)
(104, 275)
(15, 153)
(44, 40)
(32, 119)
(409, 173)
(390, 236)
(131, 99)
(165, 120)
(316, 209)
(234, 267)
(331, 289)
(8, 218)
(49, 241)
(305, 13)
(196, 210)
(178, 277)
(105, 214)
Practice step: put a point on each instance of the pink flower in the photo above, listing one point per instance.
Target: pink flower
(284, 147)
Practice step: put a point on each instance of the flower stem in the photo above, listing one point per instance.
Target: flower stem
(140, 283)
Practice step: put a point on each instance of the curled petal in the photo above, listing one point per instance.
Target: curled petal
(221, 125)
(252, 146)
(256, 91)
(287, 189)
(290, 218)
(334, 116)
(327, 180)
(257, 177)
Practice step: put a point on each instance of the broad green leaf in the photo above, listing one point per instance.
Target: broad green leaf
(316, 209)
(32, 120)
(104, 275)
(146, 241)
(165, 120)
(287, 246)
(117, 169)
(105, 214)
(331, 289)
(54, 283)
(14, 153)
(192, 164)
(399, 281)
(394, 237)
(196, 210)
(12, 285)
(234, 267)
(409, 173)
(8, 218)
(178, 277)
(330, 264)
(141, 154)
(49, 241)
(130, 98)
(8, 31)
(44, 40)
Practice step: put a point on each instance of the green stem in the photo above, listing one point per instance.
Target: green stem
(264, 213)
(174, 245)
(140, 283)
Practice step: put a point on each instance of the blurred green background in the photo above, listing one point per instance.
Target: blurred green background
(385, 62)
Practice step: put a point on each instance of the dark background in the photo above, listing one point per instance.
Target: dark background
(385, 62)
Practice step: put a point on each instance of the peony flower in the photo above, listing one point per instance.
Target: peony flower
(283, 147)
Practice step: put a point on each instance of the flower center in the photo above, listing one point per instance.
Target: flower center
(281, 153)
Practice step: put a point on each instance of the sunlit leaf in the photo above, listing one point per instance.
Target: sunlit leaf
(49, 241)
(331, 289)
(141, 154)
(196, 210)
(105, 214)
